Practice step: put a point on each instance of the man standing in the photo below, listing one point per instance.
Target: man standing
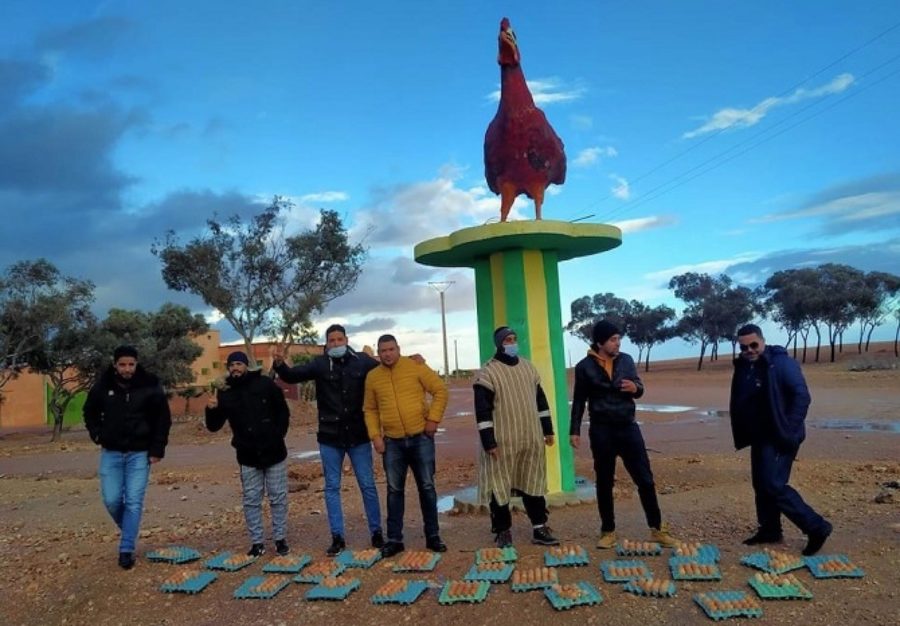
(127, 414)
(607, 380)
(255, 408)
(514, 424)
(769, 400)
(402, 425)
(340, 376)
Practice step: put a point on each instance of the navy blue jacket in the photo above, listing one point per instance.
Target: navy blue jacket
(606, 403)
(788, 398)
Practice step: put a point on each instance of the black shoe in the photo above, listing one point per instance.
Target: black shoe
(281, 547)
(257, 549)
(763, 536)
(391, 548)
(435, 544)
(815, 541)
(503, 539)
(126, 560)
(543, 537)
(337, 545)
(377, 540)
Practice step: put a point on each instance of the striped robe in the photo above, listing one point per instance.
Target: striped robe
(517, 423)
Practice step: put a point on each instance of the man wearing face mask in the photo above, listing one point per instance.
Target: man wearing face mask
(340, 376)
(769, 401)
(514, 424)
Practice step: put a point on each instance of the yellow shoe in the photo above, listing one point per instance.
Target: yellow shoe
(607, 539)
(662, 536)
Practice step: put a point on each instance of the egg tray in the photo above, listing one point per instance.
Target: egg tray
(792, 589)
(248, 590)
(762, 561)
(478, 595)
(711, 571)
(220, 562)
(413, 590)
(610, 575)
(634, 586)
(403, 565)
(638, 548)
(704, 553)
(589, 596)
(496, 555)
(314, 576)
(480, 571)
(362, 559)
(541, 584)
(817, 565)
(175, 554)
(580, 558)
(726, 596)
(195, 584)
(287, 564)
(321, 592)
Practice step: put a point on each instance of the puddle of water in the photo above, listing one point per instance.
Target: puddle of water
(664, 408)
(444, 504)
(857, 425)
(463, 414)
(305, 456)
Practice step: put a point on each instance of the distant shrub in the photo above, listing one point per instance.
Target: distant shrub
(872, 364)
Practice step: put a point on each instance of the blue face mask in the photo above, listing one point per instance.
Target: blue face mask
(511, 349)
(337, 352)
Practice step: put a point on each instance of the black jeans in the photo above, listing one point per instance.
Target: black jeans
(414, 453)
(622, 440)
(501, 517)
(771, 471)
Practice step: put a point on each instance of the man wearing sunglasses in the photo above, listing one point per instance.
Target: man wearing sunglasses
(769, 400)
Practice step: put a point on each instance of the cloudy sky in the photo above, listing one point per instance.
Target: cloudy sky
(722, 137)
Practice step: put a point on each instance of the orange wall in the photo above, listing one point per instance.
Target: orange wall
(24, 403)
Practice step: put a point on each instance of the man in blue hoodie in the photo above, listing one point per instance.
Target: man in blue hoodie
(769, 401)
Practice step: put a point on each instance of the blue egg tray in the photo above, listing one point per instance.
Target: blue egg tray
(414, 589)
(174, 554)
(589, 595)
(193, 585)
(817, 565)
(702, 599)
(704, 553)
(607, 569)
(713, 572)
(520, 586)
(553, 559)
(784, 591)
(761, 561)
(402, 565)
(476, 572)
(248, 590)
(653, 549)
(495, 555)
(307, 576)
(287, 564)
(219, 562)
(355, 558)
(321, 592)
(634, 586)
(479, 595)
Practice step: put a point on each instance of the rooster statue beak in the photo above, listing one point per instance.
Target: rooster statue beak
(508, 39)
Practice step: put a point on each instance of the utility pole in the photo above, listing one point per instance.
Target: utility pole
(441, 287)
(456, 357)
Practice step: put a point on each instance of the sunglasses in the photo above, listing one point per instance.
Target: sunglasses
(753, 345)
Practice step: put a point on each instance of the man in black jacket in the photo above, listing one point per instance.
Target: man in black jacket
(257, 412)
(127, 414)
(607, 380)
(340, 376)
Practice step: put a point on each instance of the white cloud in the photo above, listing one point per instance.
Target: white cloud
(592, 155)
(547, 91)
(847, 209)
(644, 223)
(581, 122)
(324, 196)
(621, 189)
(742, 118)
(706, 267)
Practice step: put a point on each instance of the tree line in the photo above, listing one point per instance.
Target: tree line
(824, 302)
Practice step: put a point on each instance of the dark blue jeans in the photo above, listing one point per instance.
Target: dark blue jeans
(622, 440)
(770, 469)
(415, 453)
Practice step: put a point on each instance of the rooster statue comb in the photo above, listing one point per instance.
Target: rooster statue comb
(522, 152)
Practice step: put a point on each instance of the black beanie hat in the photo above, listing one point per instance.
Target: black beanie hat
(237, 357)
(121, 351)
(500, 334)
(603, 330)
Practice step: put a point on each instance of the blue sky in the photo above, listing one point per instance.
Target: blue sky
(721, 136)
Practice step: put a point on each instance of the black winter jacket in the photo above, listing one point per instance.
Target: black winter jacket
(788, 398)
(131, 417)
(606, 403)
(340, 390)
(258, 414)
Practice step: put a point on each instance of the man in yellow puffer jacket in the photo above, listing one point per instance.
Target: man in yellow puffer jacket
(402, 425)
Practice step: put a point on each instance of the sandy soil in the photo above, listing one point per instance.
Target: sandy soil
(58, 547)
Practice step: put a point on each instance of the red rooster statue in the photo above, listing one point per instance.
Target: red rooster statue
(522, 152)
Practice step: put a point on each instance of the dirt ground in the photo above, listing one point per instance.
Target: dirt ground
(58, 546)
